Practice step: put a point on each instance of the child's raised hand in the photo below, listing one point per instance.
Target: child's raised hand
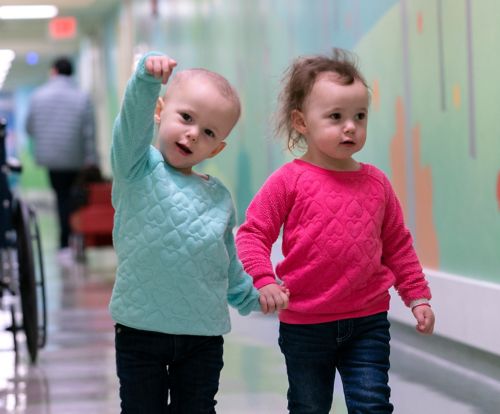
(160, 67)
(425, 319)
(273, 297)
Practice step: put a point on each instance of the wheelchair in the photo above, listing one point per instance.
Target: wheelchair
(22, 279)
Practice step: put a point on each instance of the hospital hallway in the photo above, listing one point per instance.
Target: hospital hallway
(428, 135)
(75, 373)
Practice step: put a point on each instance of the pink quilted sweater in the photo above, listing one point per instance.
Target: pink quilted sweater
(344, 242)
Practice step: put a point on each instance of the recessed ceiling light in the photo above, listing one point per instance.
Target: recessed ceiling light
(28, 12)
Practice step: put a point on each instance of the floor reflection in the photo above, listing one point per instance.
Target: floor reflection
(76, 370)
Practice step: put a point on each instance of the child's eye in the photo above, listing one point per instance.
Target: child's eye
(210, 133)
(186, 116)
(361, 116)
(336, 116)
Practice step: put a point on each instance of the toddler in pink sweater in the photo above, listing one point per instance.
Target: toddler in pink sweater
(344, 244)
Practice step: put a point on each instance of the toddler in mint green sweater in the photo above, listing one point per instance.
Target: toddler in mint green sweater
(173, 234)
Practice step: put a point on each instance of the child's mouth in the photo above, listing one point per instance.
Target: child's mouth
(348, 143)
(185, 150)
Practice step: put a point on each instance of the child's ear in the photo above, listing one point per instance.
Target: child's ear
(160, 104)
(220, 147)
(298, 121)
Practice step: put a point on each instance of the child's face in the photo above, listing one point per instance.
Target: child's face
(333, 121)
(194, 120)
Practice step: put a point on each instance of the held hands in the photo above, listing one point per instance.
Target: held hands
(273, 297)
(425, 319)
(160, 67)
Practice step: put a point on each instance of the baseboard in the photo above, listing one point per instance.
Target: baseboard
(467, 310)
(461, 372)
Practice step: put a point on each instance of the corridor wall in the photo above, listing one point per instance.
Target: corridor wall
(432, 125)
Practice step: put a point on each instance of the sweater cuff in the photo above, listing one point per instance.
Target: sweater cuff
(418, 302)
(264, 281)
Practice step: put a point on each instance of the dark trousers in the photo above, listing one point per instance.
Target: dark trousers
(62, 183)
(162, 373)
(358, 348)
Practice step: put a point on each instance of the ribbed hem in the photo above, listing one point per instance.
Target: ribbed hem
(298, 318)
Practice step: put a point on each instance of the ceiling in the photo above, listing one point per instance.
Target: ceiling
(23, 36)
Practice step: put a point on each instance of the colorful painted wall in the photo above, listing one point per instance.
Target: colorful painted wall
(433, 129)
(433, 109)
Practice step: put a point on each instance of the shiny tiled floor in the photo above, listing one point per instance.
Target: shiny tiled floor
(76, 373)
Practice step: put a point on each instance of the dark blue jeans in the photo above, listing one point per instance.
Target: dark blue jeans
(162, 373)
(358, 348)
(62, 183)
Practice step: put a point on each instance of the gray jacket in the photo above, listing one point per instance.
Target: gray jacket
(61, 123)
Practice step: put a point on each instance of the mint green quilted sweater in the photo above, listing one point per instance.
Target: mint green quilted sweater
(177, 264)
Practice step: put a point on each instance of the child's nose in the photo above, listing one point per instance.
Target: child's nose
(192, 134)
(349, 126)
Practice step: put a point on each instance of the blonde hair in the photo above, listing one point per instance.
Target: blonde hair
(221, 83)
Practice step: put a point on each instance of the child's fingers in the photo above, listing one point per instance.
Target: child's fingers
(274, 297)
(429, 327)
(160, 67)
(149, 65)
(424, 328)
(420, 323)
(425, 324)
(285, 290)
(271, 304)
(279, 301)
(266, 304)
(165, 76)
(153, 66)
(157, 70)
(166, 69)
(263, 304)
(284, 300)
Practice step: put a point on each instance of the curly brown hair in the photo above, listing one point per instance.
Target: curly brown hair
(298, 81)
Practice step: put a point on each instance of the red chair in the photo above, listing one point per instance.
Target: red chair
(92, 224)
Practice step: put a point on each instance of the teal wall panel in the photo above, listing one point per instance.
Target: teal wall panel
(431, 66)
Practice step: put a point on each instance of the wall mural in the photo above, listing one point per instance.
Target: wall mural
(432, 125)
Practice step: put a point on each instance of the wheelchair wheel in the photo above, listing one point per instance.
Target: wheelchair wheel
(27, 277)
(42, 325)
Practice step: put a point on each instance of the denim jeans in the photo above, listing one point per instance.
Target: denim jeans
(62, 183)
(358, 348)
(162, 373)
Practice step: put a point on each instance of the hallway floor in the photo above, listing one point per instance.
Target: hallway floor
(76, 370)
